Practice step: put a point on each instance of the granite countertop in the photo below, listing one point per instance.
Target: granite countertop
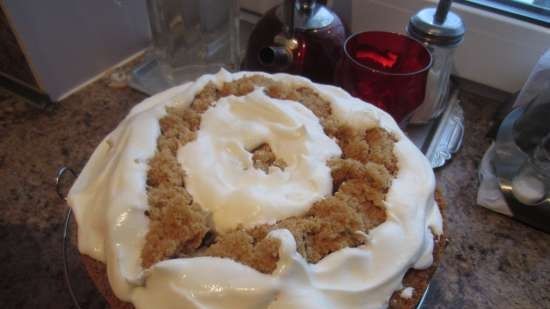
(491, 261)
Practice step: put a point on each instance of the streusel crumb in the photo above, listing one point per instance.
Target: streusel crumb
(179, 227)
(263, 158)
(239, 245)
(164, 169)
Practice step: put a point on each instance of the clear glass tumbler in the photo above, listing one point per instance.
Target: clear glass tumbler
(194, 37)
(531, 133)
(437, 85)
(532, 183)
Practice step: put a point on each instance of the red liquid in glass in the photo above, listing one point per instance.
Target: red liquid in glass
(386, 69)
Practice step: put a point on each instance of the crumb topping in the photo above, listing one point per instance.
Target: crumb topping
(179, 227)
(263, 158)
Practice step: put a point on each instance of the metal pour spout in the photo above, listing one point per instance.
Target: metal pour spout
(442, 10)
(288, 13)
(296, 15)
(280, 54)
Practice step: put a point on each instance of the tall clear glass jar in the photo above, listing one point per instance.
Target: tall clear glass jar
(441, 31)
(194, 37)
(437, 84)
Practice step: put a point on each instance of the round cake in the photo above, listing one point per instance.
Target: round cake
(251, 190)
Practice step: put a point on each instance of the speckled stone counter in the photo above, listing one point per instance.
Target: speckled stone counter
(491, 261)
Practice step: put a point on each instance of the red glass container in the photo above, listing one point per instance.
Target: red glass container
(311, 43)
(386, 69)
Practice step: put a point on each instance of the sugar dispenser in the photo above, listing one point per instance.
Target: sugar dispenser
(441, 31)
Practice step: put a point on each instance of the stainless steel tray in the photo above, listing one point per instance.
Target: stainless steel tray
(441, 138)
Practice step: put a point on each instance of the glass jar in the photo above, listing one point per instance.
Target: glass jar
(441, 31)
(532, 183)
(437, 84)
(194, 37)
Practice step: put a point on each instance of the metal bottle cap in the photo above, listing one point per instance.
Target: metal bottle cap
(304, 15)
(437, 26)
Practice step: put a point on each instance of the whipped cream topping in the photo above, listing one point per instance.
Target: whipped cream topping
(109, 198)
(407, 292)
(224, 179)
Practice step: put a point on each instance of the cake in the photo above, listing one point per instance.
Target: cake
(251, 190)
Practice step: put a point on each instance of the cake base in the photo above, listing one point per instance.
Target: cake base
(417, 279)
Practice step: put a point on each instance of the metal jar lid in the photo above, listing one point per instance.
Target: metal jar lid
(437, 26)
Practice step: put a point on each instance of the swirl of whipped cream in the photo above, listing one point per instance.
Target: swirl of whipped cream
(219, 169)
(109, 198)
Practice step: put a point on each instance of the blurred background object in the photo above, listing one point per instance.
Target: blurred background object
(68, 44)
(301, 37)
(515, 178)
(194, 37)
(189, 38)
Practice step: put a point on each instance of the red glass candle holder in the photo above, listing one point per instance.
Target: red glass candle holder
(386, 69)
